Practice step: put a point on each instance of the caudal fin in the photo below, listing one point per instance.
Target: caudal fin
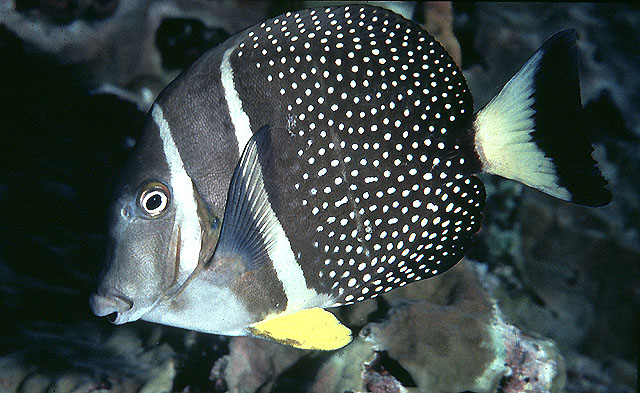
(533, 130)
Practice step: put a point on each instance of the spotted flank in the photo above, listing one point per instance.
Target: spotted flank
(338, 148)
(371, 132)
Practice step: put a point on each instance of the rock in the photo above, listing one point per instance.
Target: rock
(379, 380)
(343, 370)
(433, 342)
(119, 364)
(160, 379)
(119, 52)
(253, 365)
(65, 11)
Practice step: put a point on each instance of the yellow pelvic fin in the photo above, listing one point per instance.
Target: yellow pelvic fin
(313, 328)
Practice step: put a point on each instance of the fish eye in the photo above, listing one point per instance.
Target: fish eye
(154, 199)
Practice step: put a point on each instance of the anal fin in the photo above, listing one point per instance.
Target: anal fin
(313, 328)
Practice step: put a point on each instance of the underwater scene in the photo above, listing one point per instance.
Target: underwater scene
(255, 226)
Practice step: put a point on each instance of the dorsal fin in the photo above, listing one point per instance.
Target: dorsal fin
(248, 221)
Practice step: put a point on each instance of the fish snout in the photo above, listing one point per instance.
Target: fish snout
(112, 305)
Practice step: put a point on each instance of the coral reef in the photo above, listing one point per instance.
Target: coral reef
(457, 327)
(547, 300)
(134, 51)
(118, 363)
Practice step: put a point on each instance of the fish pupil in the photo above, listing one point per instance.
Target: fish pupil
(154, 202)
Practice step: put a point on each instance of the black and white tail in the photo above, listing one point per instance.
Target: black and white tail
(533, 130)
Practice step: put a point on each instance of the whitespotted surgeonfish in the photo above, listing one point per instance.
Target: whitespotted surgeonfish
(322, 158)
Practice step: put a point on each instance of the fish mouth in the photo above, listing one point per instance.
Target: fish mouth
(115, 307)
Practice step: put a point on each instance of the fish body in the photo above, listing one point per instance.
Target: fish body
(322, 158)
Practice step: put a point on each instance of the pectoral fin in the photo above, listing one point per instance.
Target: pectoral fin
(313, 328)
(247, 228)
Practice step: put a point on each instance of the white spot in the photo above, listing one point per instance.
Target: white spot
(341, 201)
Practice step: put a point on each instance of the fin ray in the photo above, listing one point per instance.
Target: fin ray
(247, 222)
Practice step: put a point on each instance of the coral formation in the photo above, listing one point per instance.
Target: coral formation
(132, 50)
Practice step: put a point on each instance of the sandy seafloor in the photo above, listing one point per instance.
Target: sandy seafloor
(547, 299)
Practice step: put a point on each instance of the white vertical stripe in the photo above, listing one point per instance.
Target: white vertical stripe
(183, 198)
(239, 118)
(285, 264)
(288, 270)
(248, 209)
